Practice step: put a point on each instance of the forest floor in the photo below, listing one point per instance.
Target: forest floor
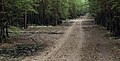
(78, 40)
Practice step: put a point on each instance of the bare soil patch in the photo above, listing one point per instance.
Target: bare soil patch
(98, 47)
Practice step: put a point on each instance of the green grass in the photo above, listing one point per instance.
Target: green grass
(15, 30)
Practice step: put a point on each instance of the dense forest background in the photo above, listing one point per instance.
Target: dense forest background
(22, 13)
(107, 14)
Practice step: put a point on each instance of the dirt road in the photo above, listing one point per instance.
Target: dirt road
(70, 46)
(79, 44)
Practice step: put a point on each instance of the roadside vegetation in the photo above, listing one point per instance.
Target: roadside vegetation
(107, 14)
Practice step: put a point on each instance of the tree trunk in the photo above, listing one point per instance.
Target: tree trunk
(25, 25)
(7, 29)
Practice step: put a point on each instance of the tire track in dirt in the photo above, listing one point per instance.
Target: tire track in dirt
(60, 42)
(70, 50)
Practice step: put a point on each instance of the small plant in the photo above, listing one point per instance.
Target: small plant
(15, 30)
(111, 36)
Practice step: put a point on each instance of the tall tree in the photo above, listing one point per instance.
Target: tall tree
(3, 21)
